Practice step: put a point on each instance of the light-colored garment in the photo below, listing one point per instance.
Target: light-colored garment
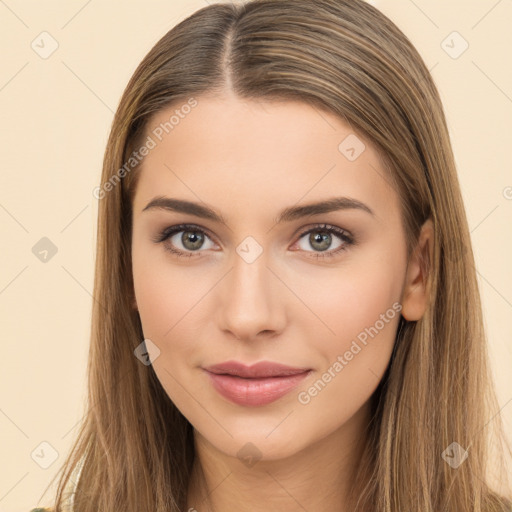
(70, 490)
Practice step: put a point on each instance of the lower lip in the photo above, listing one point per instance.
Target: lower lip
(254, 392)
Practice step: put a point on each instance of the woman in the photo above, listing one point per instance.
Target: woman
(286, 310)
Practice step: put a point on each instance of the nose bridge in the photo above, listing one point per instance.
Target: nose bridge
(248, 303)
(249, 278)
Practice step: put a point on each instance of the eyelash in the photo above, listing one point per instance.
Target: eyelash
(322, 228)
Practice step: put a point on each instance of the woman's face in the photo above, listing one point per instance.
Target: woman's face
(263, 277)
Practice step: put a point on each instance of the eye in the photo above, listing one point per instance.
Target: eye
(183, 239)
(321, 238)
(186, 240)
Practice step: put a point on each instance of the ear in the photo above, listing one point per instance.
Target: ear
(416, 290)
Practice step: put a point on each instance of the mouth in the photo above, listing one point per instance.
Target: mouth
(256, 385)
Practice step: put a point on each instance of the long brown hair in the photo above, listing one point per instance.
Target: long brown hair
(134, 449)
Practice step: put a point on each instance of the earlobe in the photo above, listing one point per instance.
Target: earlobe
(416, 291)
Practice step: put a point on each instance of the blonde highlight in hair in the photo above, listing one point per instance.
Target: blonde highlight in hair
(134, 448)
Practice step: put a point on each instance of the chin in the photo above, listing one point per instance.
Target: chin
(258, 439)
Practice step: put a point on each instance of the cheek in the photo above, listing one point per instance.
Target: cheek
(165, 301)
(164, 294)
(363, 311)
(171, 301)
(157, 307)
(344, 386)
(346, 301)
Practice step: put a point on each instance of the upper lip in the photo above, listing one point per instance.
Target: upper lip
(261, 369)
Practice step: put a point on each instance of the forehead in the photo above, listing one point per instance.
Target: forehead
(235, 153)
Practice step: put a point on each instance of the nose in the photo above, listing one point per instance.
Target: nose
(251, 301)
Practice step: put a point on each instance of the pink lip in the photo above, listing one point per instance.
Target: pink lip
(259, 384)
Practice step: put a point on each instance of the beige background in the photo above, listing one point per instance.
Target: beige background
(56, 114)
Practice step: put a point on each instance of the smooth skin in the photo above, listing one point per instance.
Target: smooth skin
(248, 161)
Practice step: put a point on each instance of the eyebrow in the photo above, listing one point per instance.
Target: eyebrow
(287, 215)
